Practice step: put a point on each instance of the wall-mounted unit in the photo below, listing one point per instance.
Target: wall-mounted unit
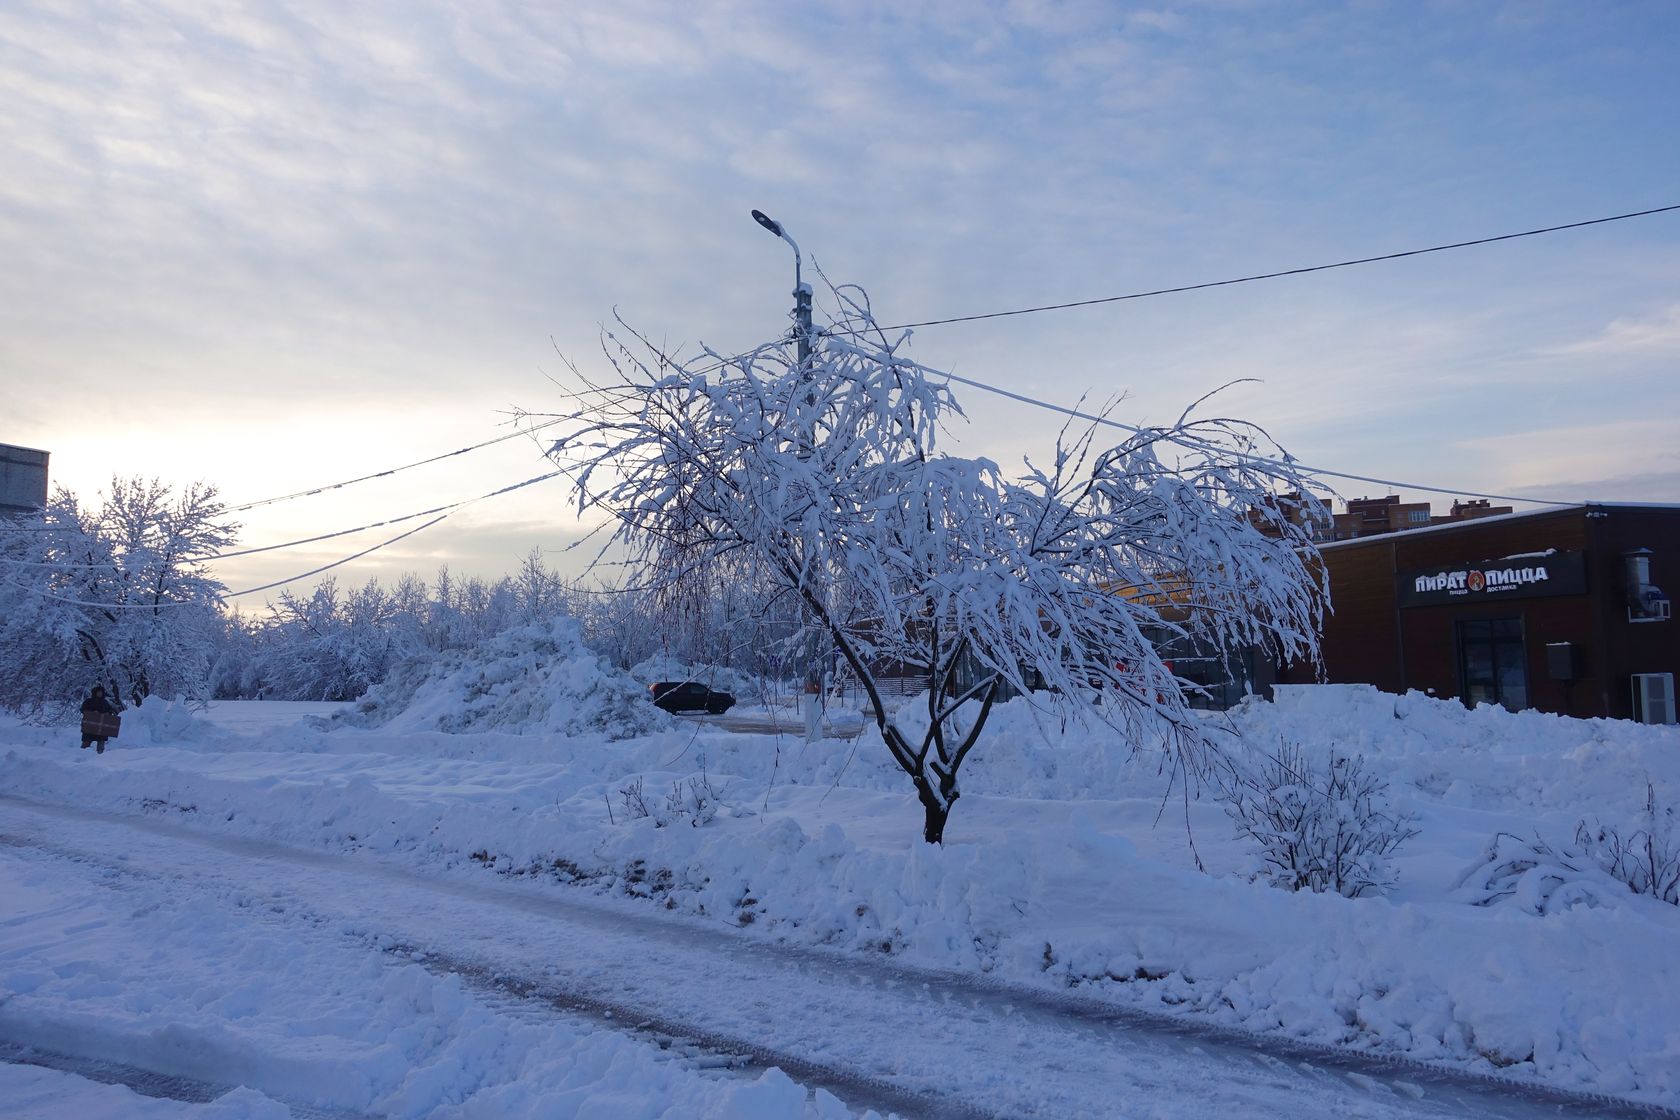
(1653, 697)
(1646, 602)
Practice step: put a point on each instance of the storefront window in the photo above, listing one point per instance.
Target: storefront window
(1492, 665)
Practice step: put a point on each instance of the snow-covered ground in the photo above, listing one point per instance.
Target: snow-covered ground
(1066, 866)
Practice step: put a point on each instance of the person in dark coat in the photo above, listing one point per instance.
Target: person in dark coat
(96, 702)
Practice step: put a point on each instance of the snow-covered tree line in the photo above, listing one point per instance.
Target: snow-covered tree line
(333, 643)
(121, 594)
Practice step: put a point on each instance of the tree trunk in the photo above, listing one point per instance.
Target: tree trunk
(936, 808)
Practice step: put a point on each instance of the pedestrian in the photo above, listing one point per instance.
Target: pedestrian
(95, 704)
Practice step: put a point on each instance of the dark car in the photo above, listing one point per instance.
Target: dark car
(690, 696)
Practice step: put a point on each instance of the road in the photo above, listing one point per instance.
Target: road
(779, 721)
(900, 1040)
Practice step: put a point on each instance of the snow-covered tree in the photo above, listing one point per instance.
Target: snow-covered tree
(118, 595)
(825, 480)
(332, 646)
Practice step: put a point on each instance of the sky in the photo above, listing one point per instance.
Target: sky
(273, 246)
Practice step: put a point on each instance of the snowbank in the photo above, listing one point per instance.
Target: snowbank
(1067, 859)
(533, 680)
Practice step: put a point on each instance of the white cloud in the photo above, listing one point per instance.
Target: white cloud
(1623, 460)
(386, 209)
(1655, 333)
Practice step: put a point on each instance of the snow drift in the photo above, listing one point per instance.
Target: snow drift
(1069, 860)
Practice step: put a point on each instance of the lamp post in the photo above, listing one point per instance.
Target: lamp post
(802, 321)
(801, 290)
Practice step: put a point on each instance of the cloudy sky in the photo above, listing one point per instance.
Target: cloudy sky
(275, 245)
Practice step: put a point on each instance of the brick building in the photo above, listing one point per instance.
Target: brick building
(1369, 517)
(1561, 609)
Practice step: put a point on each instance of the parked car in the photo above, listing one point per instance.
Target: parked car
(690, 696)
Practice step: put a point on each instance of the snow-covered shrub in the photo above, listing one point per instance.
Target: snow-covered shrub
(695, 802)
(1646, 857)
(1536, 877)
(636, 806)
(1336, 830)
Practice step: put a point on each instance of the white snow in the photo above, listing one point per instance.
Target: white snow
(1066, 863)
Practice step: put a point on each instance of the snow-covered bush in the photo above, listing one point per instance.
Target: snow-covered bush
(1336, 830)
(1536, 877)
(1646, 856)
(695, 802)
(1606, 863)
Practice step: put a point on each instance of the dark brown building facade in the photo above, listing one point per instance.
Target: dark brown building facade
(1561, 610)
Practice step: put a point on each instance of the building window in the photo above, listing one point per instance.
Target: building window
(1492, 664)
(1418, 517)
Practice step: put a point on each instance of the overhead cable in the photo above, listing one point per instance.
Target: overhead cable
(335, 563)
(1189, 441)
(450, 508)
(1273, 275)
(391, 471)
(447, 512)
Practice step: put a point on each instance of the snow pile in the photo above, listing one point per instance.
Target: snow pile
(157, 720)
(1488, 758)
(1066, 861)
(535, 679)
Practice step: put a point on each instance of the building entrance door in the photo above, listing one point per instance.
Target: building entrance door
(1492, 662)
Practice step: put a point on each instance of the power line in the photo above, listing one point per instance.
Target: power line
(1274, 275)
(400, 536)
(719, 363)
(336, 563)
(391, 471)
(228, 594)
(447, 511)
(450, 508)
(1200, 444)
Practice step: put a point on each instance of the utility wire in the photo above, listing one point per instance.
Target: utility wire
(447, 511)
(336, 563)
(400, 536)
(1200, 444)
(719, 363)
(225, 595)
(1274, 275)
(391, 471)
(450, 508)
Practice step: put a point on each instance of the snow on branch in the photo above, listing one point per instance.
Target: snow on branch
(827, 479)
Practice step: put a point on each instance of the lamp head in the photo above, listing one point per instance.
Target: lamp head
(768, 223)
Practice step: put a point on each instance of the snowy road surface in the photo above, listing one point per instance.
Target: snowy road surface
(892, 1039)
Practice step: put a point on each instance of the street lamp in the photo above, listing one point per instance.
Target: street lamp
(802, 319)
(801, 290)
